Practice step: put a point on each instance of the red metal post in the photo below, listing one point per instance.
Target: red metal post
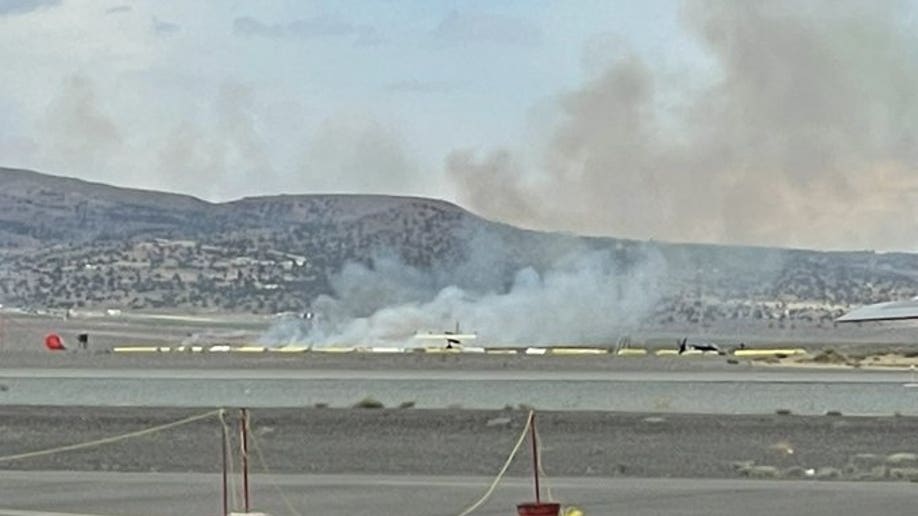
(244, 444)
(535, 455)
(225, 480)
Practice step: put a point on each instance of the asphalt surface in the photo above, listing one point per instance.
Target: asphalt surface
(801, 391)
(109, 494)
(800, 375)
(40, 359)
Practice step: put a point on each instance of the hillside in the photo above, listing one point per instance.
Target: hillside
(66, 243)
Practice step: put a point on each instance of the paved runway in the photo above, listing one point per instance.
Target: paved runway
(802, 375)
(110, 494)
(710, 392)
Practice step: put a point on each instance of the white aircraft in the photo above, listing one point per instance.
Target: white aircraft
(452, 338)
(890, 311)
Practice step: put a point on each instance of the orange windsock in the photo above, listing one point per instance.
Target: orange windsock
(54, 342)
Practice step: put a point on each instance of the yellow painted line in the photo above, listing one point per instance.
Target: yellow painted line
(136, 349)
(578, 351)
(768, 352)
(290, 349)
(164, 349)
(501, 351)
(197, 349)
(333, 349)
(631, 352)
(386, 349)
(472, 349)
(536, 351)
(220, 348)
(249, 349)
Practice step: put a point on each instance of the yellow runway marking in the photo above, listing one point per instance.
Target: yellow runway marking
(768, 352)
(578, 351)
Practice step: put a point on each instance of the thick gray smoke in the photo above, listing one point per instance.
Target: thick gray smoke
(354, 153)
(225, 154)
(220, 151)
(84, 138)
(586, 297)
(806, 135)
(78, 129)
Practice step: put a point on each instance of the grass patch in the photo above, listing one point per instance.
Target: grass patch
(369, 403)
(830, 356)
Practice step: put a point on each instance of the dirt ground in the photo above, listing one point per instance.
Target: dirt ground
(448, 442)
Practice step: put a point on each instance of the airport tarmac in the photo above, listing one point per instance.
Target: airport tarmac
(64, 493)
(800, 375)
(750, 391)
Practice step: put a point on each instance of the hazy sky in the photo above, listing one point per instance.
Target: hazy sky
(762, 123)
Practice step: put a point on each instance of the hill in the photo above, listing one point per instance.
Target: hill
(67, 243)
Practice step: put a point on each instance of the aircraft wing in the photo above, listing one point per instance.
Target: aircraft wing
(892, 311)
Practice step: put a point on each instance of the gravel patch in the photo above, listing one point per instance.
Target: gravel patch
(460, 442)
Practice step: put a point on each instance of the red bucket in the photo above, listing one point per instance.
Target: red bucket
(538, 509)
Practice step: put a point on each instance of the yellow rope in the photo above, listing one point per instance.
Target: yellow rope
(109, 440)
(503, 470)
(264, 467)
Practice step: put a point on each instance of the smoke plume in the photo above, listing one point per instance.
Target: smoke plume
(805, 136)
(78, 129)
(584, 298)
(224, 155)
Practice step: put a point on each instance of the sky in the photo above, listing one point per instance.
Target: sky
(762, 123)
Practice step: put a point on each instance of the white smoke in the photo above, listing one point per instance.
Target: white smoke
(585, 298)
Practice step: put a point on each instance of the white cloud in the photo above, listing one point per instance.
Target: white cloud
(249, 26)
(477, 27)
(164, 27)
(120, 9)
(323, 26)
